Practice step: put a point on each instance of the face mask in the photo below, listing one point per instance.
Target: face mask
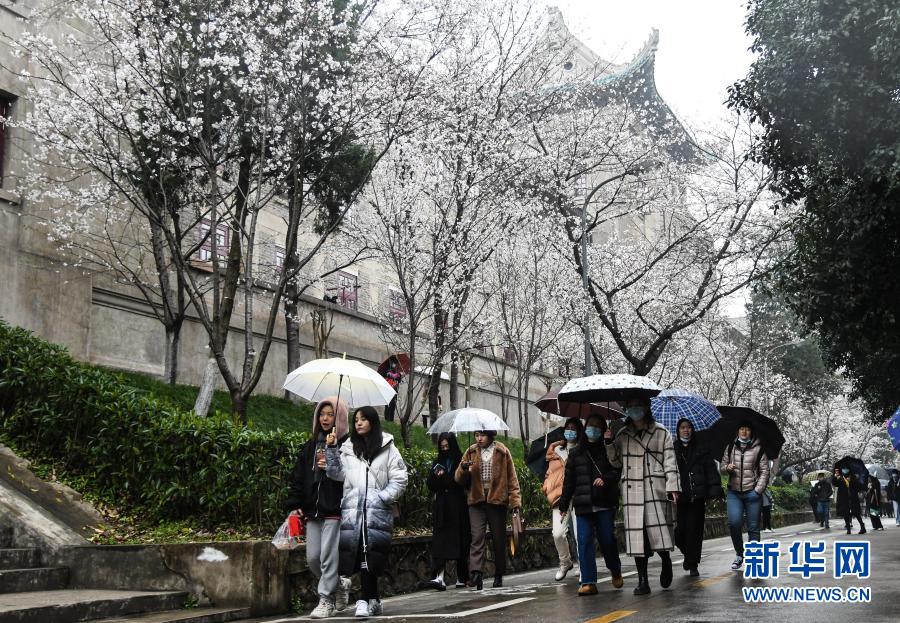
(685, 439)
(744, 441)
(593, 433)
(845, 471)
(570, 435)
(635, 413)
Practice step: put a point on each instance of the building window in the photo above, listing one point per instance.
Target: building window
(6, 105)
(509, 354)
(396, 305)
(348, 289)
(279, 258)
(581, 186)
(223, 239)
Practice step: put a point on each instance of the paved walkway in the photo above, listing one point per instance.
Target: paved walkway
(715, 596)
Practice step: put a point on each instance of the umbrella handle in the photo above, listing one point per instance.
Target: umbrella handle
(338, 399)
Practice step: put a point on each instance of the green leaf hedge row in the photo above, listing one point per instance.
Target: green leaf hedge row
(152, 460)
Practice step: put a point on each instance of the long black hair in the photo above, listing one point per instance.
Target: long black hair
(366, 446)
(451, 458)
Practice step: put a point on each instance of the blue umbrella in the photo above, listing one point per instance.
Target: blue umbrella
(672, 405)
(893, 428)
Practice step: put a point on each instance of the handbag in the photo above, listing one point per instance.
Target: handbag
(518, 530)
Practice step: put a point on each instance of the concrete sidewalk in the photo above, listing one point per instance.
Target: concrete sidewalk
(715, 596)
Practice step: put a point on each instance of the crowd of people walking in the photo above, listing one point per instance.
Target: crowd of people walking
(349, 476)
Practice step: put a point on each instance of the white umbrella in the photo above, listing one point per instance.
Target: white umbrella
(428, 370)
(467, 419)
(320, 378)
(608, 388)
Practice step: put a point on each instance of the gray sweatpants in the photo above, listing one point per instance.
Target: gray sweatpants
(322, 539)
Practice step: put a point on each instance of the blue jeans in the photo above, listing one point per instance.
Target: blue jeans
(740, 505)
(823, 512)
(601, 524)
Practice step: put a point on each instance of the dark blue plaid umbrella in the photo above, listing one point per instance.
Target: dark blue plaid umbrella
(672, 405)
(893, 428)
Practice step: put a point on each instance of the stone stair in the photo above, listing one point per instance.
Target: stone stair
(31, 592)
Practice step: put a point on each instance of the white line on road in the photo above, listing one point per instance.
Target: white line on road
(434, 615)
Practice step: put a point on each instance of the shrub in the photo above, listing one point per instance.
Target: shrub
(150, 458)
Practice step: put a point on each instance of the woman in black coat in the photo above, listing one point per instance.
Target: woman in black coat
(700, 481)
(847, 505)
(451, 532)
(873, 502)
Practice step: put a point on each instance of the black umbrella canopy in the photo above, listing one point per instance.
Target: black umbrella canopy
(719, 435)
(550, 403)
(537, 451)
(856, 467)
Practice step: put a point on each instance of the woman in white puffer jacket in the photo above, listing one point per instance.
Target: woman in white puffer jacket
(375, 477)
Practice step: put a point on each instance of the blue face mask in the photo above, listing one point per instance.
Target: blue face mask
(593, 433)
(635, 413)
(570, 435)
(845, 471)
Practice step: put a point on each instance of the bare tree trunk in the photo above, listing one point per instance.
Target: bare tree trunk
(454, 379)
(207, 387)
(323, 323)
(173, 343)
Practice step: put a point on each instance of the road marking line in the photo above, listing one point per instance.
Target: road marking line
(714, 580)
(435, 615)
(612, 616)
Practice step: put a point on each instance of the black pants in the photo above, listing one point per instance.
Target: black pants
(462, 567)
(689, 530)
(390, 409)
(848, 519)
(766, 517)
(368, 581)
(876, 522)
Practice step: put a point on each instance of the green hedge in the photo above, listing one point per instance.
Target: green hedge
(149, 459)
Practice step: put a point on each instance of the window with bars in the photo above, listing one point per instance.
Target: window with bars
(396, 305)
(581, 186)
(348, 290)
(279, 258)
(6, 106)
(223, 240)
(509, 354)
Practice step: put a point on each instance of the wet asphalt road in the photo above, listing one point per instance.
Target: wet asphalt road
(715, 596)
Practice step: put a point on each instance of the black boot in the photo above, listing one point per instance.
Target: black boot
(665, 576)
(498, 581)
(694, 572)
(476, 580)
(643, 587)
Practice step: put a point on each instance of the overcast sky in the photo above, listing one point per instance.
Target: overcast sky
(702, 48)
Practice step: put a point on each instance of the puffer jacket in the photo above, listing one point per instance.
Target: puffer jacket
(556, 456)
(587, 462)
(370, 488)
(746, 476)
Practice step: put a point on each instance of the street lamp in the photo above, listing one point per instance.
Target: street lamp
(588, 368)
(766, 354)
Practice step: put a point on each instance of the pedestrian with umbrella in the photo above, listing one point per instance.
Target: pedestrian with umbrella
(893, 493)
(316, 500)
(747, 467)
(489, 476)
(558, 454)
(374, 477)
(848, 486)
(873, 502)
(590, 487)
(450, 515)
(700, 482)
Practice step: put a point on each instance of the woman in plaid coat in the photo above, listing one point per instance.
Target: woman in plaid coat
(644, 452)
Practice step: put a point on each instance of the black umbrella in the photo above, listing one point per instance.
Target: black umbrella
(550, 403)
(856, 467)
(537, 451)
(718, 436)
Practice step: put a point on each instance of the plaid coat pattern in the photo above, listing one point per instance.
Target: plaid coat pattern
(649, 473)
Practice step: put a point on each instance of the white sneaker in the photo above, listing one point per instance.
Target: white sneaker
(362, 608)
(737, 564)
(324, 610)
(374, 607)
(563, 570)
(342, 595)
